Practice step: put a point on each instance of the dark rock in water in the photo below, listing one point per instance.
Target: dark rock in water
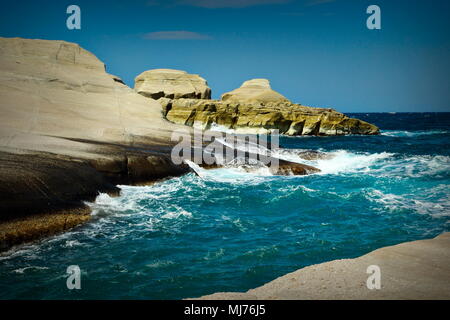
(275, 165)
(29, 228)
(32, 184)
(287, 168)
(43, 194)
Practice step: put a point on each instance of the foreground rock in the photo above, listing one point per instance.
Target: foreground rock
(69, 130)
(412, 270)
(256, 108)
(173, 84)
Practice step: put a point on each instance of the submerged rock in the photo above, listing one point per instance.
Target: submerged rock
(173, 84)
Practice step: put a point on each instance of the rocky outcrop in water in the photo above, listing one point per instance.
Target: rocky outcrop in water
(290, 119)
(246, 161)
(173, 84)
(256, 108)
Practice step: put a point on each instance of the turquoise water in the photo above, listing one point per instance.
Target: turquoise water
(232, 231)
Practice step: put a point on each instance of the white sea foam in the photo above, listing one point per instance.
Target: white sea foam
(439, 207)
(237, 223)
(72, 243)
(336, 161)
(262, 252)
(344, 161)
(221, 128)
(142, 209)
(415, 166)
(197, 169)
(404, 133)
(381, 164)
(176, 214)
(23, 270)
(160, 264)
(339, 161)
(214, 254)
(230, 173)
(105, 205)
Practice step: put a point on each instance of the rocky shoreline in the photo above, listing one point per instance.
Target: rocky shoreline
(70, 130)
(254, 108)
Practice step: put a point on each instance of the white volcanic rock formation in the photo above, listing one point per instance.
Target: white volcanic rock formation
(173, 84)
(54, 90)
(254, 91)
(256, 108)
(68, 130)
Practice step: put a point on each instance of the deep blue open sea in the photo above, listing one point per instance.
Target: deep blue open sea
(232, 231)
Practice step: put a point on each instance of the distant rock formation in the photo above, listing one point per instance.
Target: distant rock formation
(256, 108)
(173, 84)
(254, 91)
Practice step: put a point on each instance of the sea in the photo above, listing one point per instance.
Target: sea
(231, 230)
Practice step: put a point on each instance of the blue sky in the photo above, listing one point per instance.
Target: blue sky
(315, 52)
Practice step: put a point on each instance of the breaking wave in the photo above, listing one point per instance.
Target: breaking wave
(339, 161)
(412, 134)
